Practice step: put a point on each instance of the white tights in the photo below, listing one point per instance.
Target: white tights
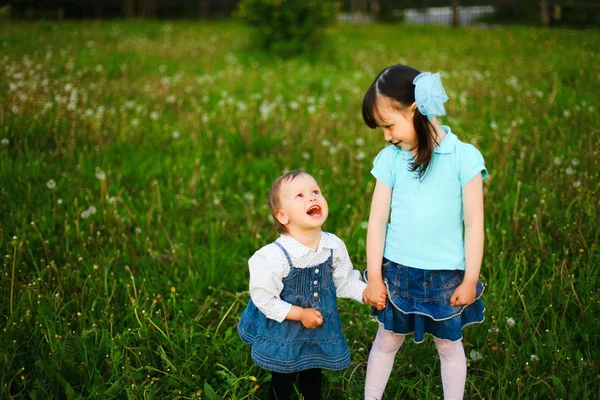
(381, 360)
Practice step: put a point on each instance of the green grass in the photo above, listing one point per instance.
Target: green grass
(126, 279)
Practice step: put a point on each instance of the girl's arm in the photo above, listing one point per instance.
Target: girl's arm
(309, 317)
(266, 283)
(472, 194)
(376, 231)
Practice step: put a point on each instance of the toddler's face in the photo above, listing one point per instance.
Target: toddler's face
(396, 124)
(303, 206)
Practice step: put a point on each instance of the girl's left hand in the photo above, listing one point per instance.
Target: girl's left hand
(464, 294)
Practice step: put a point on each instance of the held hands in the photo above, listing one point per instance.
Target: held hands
(311, 318)
(464, 294)
(375, 294)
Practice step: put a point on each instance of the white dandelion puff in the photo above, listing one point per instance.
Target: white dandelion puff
(576, 184)
(569, 171)
(153, 115)
(51, 184)
(91, 210)
(85, 214)
(175, 134)
(534, 358)
(249, 197)
(493, 125)
(101, 175)
(557, 160)
(475, 355)
(510, 322)
(5, 141)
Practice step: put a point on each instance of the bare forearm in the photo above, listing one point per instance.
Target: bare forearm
(375, 245)
(473, 252)
(295, 313)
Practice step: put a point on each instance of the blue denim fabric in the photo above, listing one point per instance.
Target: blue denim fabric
(419, 303)
(288, 346)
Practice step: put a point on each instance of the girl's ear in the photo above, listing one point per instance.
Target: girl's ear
(413, 106)
(281, 217)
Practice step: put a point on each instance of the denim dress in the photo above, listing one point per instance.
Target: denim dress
(419, 302)
(288, 346)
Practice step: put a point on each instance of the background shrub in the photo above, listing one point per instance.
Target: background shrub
(288, 27)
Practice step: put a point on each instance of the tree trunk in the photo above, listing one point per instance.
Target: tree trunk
(204, 10)
(455, 13)
(375, 10)
(129, 8)
(545, 13)
(60, 13)
(98, 11)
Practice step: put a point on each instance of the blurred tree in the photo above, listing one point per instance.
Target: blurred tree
(545, 12)
(455, 13)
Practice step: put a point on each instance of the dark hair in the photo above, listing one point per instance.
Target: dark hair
(396, 84)
(275, 201)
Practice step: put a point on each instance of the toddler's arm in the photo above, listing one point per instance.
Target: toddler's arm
(472, 194)
(309, 317)
(267, 270)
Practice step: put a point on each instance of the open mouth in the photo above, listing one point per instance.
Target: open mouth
(314, 210)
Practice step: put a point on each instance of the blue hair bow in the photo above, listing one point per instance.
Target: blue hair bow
(430, 95)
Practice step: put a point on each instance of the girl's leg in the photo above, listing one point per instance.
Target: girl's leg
(381, 361)
(454, 368)
(310, 383)
(281, 385)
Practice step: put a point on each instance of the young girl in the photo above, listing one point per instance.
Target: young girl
(292, 321)
(427, 183)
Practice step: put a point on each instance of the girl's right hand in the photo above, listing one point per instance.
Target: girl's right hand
(375, 294)
(311, 318)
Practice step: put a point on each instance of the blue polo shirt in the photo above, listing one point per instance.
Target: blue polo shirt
(426, 221)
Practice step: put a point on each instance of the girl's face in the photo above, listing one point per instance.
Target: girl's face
(303, 206)
(396, 123)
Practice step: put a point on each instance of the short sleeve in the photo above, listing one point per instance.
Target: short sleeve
(383, 166)
(471, 163)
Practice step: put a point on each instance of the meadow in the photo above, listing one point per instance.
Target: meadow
(135, 159)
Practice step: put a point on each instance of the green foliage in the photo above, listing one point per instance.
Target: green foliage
(133, 191)
(288, 27)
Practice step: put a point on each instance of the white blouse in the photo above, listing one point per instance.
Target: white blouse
(268, 267)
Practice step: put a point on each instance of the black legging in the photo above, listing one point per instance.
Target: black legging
(282, 384)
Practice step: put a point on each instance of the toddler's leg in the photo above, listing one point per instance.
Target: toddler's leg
(281, 385)
(454, 368)
(381, 361)
(310, 383)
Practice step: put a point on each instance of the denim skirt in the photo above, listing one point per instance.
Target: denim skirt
(419, 302)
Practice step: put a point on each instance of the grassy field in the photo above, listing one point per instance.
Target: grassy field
(135, 159)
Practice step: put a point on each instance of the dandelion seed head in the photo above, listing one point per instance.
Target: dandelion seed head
(569, 171)
(510, 322)
(5, 141)
(475, 355)
(51, 184)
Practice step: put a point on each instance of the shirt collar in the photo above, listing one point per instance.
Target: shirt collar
(297, 249)
(448, 143)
